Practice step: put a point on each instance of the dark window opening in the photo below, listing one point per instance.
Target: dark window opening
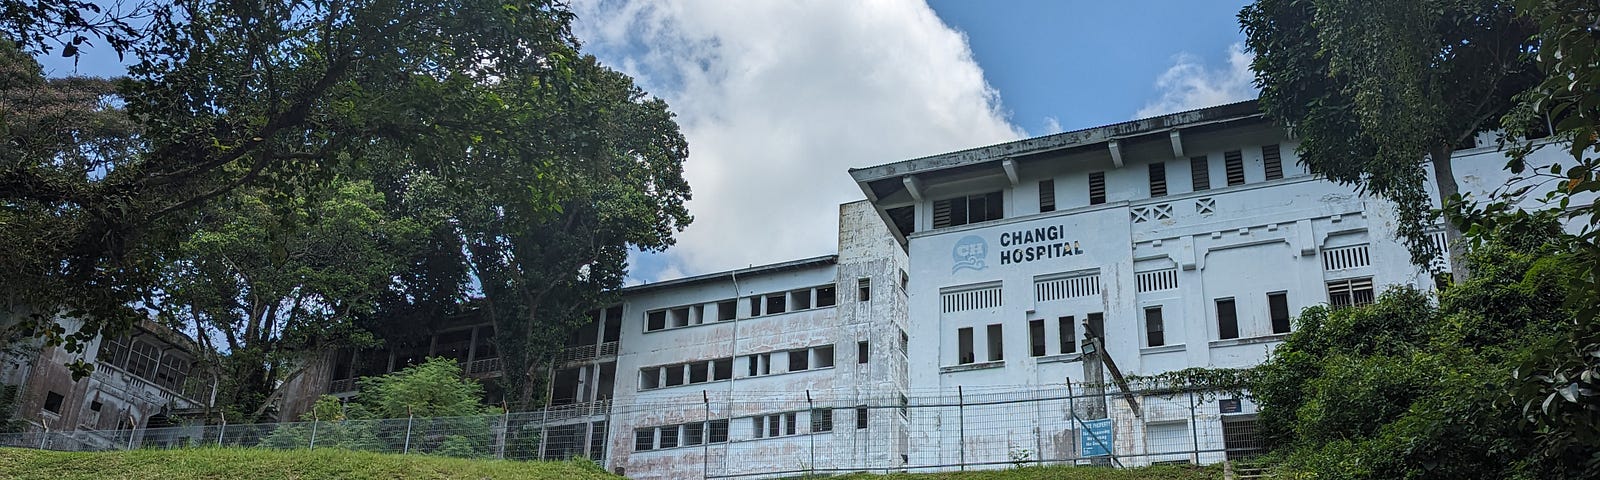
(52, 402)
(649, 378)
(674, 375)
(644, 439)
(1158, 179)
(669, 436)
(1097, 188)
(1036, 337)
(964, 345)
(727, 310)
(718, 430)
(694, 433)
(1227, 319)
(755, 306)
(1069, 334)
(797, 360)
(722, 369)
(1272, 159)
(996, 344)
(824, 356)
(1155, 330)
(825, 296)
(1047, 196)
(863, 289)
(1233, 161)
(1200, 171)
(656, 321)
(821, 420)
(775, 304)
(801, 299)
(952, 212)
(861, 418)
(699, 372)
(861, 352)
(1278, 309)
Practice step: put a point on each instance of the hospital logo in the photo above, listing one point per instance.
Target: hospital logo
(971, 252)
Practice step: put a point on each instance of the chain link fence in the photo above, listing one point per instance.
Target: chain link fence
(745, 434)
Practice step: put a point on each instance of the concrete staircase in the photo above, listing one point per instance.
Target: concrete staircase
(1245, 471)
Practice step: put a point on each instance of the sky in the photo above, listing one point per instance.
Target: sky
(779, 99)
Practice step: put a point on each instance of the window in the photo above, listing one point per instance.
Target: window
(996, 344)
(1047, 196)
(142, 359)
(964, 345)
(674, 374)
(797, 360)
(1227, 319)
(649, 377)
(755, 306)
(790, 423)
(694, 433)
(952, 212)
(1200, 171)
(1069, 334)
(656, 320)
(644, 439)
(1097, 188)
(905, 341)
(172, 372)
(95, 406)
(863, 289)
(775, 304)
(718, 430)
(861, 417)
(861, 352)
(821, 420)
(1036, 337)
(52, 402)
(824, 356)
(669, 436)
(1273, 160)
(760, 364)
(800, 299)
(722, 369)
(825, 296)
(1233, 161)
(1343, 293)
(699, 372)
(1097, 326)
(727, 310)
(1155, 331)
(1158, 179)
(680, 317)
(1278, 309)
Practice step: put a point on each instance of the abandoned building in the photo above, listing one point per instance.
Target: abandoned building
(140, 383)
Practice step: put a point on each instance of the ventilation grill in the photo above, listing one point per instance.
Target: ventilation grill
(1200, 169)
(1205, 206)
(941, 213)
(1153, 212)
(1057, 289)
(1097, 188)
(1345, 257)
(971, 299)
(1274, 163)
(1234, 162)
(1157, 281)
(1158, 179)
(1441, 245)
(1047, 196)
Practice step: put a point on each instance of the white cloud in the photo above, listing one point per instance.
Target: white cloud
(1190, 84)
(779, 99)
(1052, 126)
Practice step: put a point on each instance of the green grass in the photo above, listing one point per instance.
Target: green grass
(262, 464)
(1058, 473)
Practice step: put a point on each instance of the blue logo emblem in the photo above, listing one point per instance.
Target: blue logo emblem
(971, 252)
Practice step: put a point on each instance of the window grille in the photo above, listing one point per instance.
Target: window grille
(1060, 288)
(1156, 281)
(971, 299)
(1345, 258)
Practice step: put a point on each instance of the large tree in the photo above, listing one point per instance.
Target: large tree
(1375, 89)
(224, 95)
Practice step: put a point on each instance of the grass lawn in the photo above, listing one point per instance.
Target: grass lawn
(263, 464)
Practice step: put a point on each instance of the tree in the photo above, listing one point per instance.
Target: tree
(224, 95)
(1376, 88)
(440, 405)
(278, 277)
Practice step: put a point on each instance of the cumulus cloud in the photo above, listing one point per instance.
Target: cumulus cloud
(779, 99)
(1189, 83)
(1052, 126)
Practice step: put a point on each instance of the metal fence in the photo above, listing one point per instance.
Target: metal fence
(700, 433)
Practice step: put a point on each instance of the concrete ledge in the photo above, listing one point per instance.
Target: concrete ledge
(972, 366)
(1060, 358)
(1161, 349)
(1249, 341)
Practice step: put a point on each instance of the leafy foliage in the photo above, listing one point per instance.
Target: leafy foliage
(405, 410)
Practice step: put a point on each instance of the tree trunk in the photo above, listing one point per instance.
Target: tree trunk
(1444, 177)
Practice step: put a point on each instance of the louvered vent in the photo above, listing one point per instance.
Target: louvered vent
(1271, 158)
(1200, 170)
(1157, 281)
(970, 299)
(1060, 288)
(1345, 257)
(1097, 188)
(1158, 179)
(1234, 162)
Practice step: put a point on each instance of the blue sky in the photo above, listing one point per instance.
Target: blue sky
(779, 99)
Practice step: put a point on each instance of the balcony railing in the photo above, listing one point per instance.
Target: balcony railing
(576, 410)
(487, 366)
(586, 352)
(342, 386)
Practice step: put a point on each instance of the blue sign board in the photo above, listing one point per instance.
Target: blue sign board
(1096, 437)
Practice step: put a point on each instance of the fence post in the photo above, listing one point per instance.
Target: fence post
(409, 417)
(134, 427)
(1194, 430)
(314, 424)
(505, 429)
(1038, 429)
(1072, 412)
(46, 434)
(811, 411)
(224, 429)
(961, 416)
(705, 444)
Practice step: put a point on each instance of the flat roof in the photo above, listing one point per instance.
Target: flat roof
(1059, 141)
(803, 263)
